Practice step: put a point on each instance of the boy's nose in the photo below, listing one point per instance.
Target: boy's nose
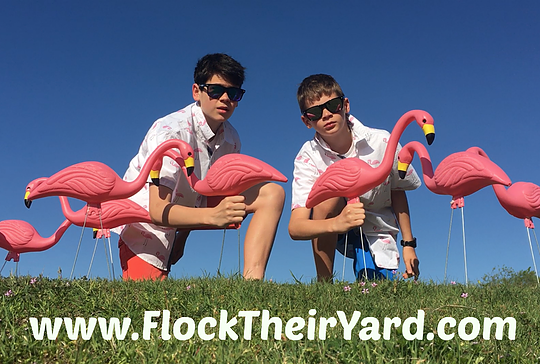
(326, 113)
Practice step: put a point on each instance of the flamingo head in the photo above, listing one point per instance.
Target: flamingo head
(425, 121)
(184, 158)
(405, 157)
(188, 155)
(32, 186)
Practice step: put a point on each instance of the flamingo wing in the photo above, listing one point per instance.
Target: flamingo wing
(531, 192)
(465, 173)
(15, 234)
(234, 173)
(83, 180)
(340, 179)
(119, 212)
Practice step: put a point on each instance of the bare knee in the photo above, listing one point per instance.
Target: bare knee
(266, 196)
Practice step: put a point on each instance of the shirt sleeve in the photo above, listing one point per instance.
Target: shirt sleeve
(411, 180)
(304, 176)
(170, 169)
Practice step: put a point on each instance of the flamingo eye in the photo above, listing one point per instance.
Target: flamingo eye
(189, 154)
(424, 121)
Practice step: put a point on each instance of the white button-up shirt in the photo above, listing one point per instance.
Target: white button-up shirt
(369, 145)
(153, 243)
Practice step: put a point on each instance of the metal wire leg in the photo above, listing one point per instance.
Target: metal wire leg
(448, 245)
(532, 255)
(221, 254)
(464, 247)
(344, 256)
(79, 245)
(363, 253)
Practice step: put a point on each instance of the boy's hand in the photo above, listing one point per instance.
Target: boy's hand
(411, 263)
(351, 216)
(230, 210)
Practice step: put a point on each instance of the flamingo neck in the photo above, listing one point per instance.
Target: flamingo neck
(427, 166)
(55, 238)
(158, 153)
(501, 193)
(66, 208)
(388, 160)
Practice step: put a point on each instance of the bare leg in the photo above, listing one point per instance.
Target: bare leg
(265, 201)
(324, 247)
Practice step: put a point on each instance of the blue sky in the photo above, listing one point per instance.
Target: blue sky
(82, 81)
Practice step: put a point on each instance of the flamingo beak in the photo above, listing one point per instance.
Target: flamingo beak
(27, 202)
(429, 132)
(402, 169)
(94, 233)
(189, 163)
(154, 175)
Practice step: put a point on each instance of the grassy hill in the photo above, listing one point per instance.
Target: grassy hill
(228, 320)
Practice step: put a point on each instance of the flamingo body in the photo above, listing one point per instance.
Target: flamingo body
(20, 237)
(344, 178)
(95, 182)
(111, 214)
(234, 173)
(458, 175)
(352, 177)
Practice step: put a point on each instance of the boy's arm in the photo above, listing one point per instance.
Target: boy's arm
(301, 227)
(401, 210)
(162, 212)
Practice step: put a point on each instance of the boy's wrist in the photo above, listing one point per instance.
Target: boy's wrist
(409, 243)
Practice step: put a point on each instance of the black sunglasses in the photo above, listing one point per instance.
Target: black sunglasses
(215, 91)
(334, 105)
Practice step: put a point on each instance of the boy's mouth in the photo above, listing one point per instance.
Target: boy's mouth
(329, 125)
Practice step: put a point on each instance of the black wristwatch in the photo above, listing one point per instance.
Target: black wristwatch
(411, 243)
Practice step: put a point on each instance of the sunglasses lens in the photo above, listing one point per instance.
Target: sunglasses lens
(334, 105)
(215, 91)
(235, 93)
(313, 113)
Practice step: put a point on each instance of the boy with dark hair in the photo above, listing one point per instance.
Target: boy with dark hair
(146, 250)
(339, 135)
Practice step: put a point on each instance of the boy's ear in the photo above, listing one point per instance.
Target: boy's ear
(196, 92)
(306, 122)
(347, 106)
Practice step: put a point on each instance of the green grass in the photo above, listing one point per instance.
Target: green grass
(206, 297)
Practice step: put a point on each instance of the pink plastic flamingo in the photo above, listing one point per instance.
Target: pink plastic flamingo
(352, 177)
(18, 237)
(234, 173)
(458, 175)
(112, 214)
(521, 200)
(95, 182)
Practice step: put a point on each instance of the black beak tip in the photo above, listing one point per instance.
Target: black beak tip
(27, 203)
(190, 170)
(430, 138)
(402, 174)
(94, 234)
(155, 181)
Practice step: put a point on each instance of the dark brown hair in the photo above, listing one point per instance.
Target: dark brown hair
(314, 87)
